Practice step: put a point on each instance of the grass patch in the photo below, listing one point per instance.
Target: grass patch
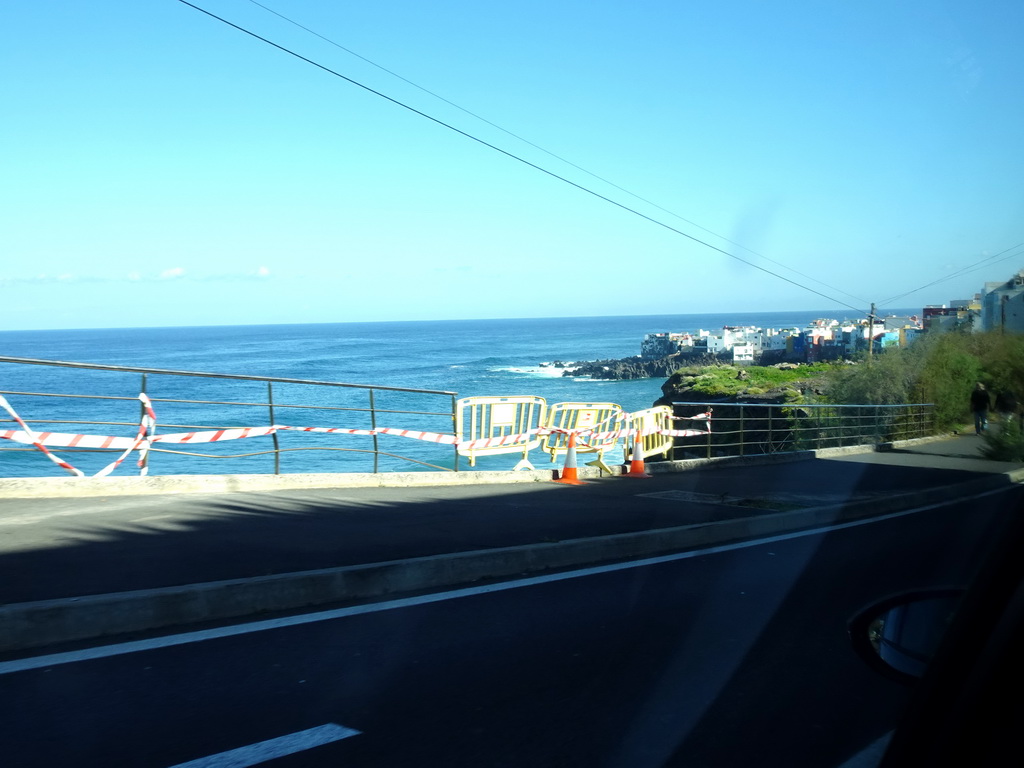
(730, 380)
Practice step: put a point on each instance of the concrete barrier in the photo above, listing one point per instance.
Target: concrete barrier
(80, 487)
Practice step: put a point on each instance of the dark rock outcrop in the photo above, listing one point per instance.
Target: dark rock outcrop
(634, 367)
(764, 422)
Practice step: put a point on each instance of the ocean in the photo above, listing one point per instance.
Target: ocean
(467, 357)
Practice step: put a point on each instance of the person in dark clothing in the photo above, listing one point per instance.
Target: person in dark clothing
(979, 406)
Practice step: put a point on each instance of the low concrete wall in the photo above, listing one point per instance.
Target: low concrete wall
(68, 487)
(78, 487)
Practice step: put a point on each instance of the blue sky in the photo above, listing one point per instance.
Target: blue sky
(163, 168)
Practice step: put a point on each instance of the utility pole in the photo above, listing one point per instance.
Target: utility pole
(871, 332)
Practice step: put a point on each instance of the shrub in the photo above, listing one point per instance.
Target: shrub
(1005, 443)
(940, 369)
(948, 373)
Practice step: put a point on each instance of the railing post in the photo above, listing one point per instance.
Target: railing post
(373, 426)
(455, 425)
(277, 445)
(743, 436)
(142, 416)
(771, 441)
(709, 444)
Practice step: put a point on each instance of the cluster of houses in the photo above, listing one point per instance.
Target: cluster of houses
(999, 306)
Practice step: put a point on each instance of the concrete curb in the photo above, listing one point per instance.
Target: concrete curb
(36, 624)
(83, 487)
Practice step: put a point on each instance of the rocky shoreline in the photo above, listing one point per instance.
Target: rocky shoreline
(631, 367)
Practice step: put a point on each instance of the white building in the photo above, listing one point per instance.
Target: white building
(743, 352)
(1002, 305)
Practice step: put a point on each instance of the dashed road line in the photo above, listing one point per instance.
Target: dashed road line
(271, 749)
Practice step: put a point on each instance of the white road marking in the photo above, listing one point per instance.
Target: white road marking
(271, 749)
(198, 636)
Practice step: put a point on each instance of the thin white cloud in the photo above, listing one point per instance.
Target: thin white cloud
(171, 274)
(262, 272)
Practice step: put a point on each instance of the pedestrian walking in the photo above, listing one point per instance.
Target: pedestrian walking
(979, 407)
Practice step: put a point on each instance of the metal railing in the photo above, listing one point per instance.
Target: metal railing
(326, 402)
(763, 428)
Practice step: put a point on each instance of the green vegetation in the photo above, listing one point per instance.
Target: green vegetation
(1004, 441)
(938, 368)
(730, 380)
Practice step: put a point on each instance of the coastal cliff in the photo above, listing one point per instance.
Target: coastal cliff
(763, 402)
(781, 383)
(710, 380)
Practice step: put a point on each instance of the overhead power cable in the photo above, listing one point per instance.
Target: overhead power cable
(549, 152)
(512, 156)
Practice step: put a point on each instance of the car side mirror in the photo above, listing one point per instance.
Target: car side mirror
(899, 635)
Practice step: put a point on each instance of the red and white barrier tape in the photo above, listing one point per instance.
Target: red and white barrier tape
(145, 438)
(497, 442)
(214, 435)
(335, 430)
(65, 440)
(40, 440)
(430, 437)
(33, 439)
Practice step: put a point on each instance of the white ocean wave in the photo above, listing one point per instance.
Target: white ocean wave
(540, 371)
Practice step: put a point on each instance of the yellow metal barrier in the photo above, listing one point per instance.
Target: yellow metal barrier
(650, 422)
(486, 426)
(607, 420)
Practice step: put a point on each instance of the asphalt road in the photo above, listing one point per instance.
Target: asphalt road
(732, 656)
(54, 548)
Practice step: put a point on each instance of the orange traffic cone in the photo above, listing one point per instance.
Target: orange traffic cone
(636, 464)
(569, 474)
